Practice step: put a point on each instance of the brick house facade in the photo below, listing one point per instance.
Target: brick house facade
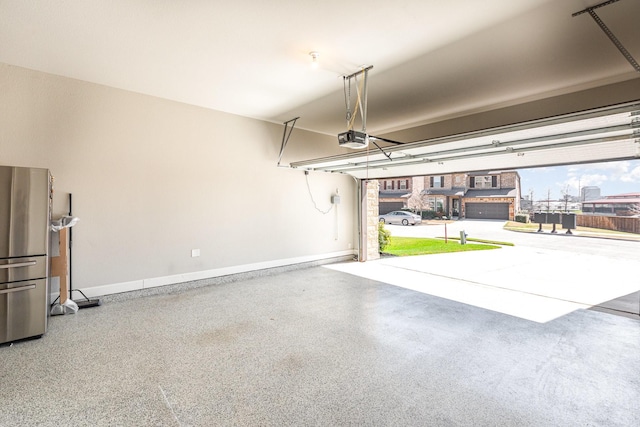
(489, 195)
(393, 193)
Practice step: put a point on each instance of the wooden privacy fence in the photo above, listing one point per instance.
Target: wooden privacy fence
(617, 223)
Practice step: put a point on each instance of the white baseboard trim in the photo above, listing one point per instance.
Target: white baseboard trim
(136, 285)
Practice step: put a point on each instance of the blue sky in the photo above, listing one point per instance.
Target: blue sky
(612, 178)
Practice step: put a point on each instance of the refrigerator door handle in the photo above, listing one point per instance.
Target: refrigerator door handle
(18, 264)
(21, 288)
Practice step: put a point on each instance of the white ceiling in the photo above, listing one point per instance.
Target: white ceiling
(432, 59)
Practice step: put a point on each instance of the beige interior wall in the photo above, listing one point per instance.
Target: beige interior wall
(153, 179)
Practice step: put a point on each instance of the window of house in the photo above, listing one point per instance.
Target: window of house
(436, 181)
(431, 203)
(402, 184)
(435, 203)
(484, 182)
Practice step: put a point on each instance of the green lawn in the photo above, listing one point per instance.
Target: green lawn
(407, 246)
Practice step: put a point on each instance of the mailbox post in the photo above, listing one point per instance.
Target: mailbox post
(553, 218)
(569, 222)
(540, 218)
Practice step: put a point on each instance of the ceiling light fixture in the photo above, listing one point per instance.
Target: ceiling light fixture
(314, 59)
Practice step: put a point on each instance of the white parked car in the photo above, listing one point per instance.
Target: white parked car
(400, 217)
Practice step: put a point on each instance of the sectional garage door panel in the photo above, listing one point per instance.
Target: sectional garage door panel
(487, 210)
(386, 207)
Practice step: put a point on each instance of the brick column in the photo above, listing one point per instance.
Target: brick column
(371, 214)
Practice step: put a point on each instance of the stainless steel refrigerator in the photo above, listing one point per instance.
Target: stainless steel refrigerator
(25, 206)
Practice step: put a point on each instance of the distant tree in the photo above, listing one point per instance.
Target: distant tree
(531, 208)
(417, 201)
(548, 200)
(565, 197)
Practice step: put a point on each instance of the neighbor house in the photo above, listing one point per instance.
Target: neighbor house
(394, 193)
(619, 204)
(482, 195)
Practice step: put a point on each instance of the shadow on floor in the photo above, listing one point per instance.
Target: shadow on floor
(626, 306)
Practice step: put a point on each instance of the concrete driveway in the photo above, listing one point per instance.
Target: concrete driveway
(544, 276)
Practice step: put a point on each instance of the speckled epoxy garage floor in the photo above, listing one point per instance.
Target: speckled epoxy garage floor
(319, 347)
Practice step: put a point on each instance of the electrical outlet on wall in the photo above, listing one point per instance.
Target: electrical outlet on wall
(195, 253)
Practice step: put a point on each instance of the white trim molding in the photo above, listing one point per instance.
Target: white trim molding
(137, 285)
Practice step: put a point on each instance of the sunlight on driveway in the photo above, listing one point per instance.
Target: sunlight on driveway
(533, 284)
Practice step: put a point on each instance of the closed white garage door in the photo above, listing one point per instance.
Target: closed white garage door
(487, 210)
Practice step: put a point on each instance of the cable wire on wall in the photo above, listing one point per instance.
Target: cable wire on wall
(315, 205)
